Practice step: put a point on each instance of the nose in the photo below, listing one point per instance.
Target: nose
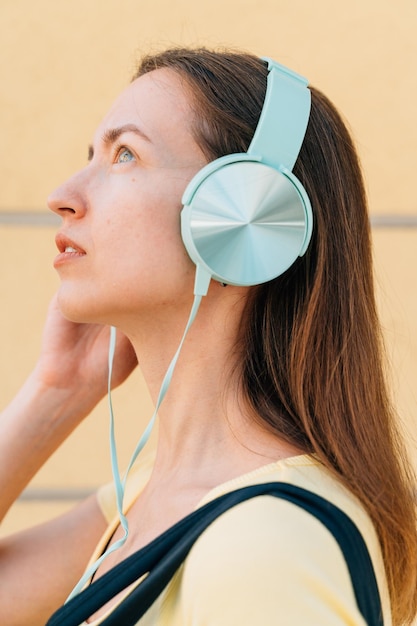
(68, 199)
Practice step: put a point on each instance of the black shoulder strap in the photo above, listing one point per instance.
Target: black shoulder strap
(162, 557)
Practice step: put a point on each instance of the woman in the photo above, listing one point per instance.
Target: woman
(277, 382)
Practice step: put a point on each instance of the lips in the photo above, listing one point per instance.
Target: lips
(67, 245)
(68, 251)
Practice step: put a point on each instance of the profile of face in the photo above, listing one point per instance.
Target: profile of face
(120, 248)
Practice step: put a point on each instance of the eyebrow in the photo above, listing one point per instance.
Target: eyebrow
(111, 135)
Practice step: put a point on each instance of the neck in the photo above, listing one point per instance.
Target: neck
(205, 430)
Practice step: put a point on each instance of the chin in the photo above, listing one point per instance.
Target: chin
(78, 308)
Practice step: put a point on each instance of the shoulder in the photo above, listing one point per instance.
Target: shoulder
(268, 561)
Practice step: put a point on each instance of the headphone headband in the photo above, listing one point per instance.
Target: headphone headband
(283, 121)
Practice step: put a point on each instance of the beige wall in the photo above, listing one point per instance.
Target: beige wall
(62, 63)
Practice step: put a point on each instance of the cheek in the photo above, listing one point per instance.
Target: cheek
(138, 235)
(145, 247)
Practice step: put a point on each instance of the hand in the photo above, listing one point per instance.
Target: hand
(66, 384)
(75, 356)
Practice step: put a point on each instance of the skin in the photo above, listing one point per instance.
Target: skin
(121, 261)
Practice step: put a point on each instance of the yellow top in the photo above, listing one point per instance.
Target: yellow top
(265, 561)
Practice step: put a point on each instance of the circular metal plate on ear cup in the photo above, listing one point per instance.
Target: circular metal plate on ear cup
(246, 223)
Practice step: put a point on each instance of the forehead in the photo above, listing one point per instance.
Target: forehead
(158, 104)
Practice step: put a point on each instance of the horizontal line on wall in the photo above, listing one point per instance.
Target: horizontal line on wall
(43, 218)
(393, 221)
(36, 494)
(28, 218)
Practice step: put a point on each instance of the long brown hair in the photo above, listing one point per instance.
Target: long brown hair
(311, 345)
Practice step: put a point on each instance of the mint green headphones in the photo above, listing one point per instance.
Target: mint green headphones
(246, 218)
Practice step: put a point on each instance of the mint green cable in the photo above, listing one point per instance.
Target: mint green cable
(200, 289)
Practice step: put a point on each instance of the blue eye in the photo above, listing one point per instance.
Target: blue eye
(124, 156)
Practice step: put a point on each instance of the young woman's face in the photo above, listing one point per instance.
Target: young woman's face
(120, 250)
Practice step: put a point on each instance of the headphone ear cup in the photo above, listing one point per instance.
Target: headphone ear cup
(246, 222)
